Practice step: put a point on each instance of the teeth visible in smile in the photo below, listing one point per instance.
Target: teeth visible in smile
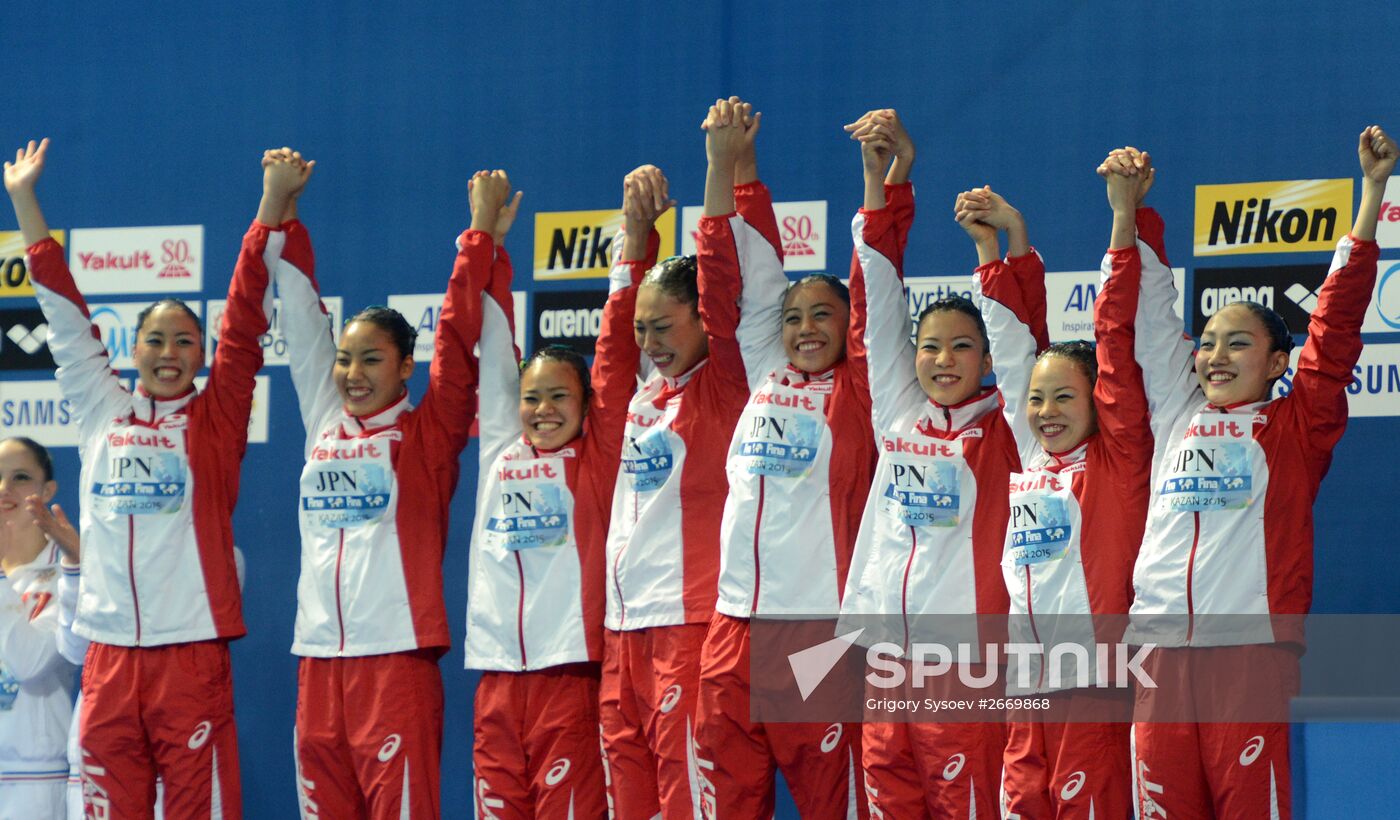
(547, 426)
(1052, 429)
(357, 392)
(806, 347)
(946, 379)
(1220, 378)
(167, 373)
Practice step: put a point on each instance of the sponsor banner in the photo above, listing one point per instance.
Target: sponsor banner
(1289, 289)
(14, 273)
(161, 259)
(262, 398)
(423, 310)
(572, 318)
(921, 291)
(1383, 316)
(24, 335)
(801, 229)
(116, 326)
(37, 410)
(578, 244)
(1272, 217)
(1375, 381)
(274, 341)
(1069, 302)
(1388, 228)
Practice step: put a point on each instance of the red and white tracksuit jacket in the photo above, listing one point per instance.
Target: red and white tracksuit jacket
(1077, 516)
(375, 490)
(535, 591)
(930, 539)
(36, 681)
(663, 541)
(801, 457)
(160, 476)
(1230, 526)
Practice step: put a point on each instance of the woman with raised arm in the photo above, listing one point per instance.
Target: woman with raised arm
(663, 537)
(1224, 576)
(802, 451)
(375, 490)
(930, 540)
(1077, 514)
(551, 435)
(159, 593)
(36, 682)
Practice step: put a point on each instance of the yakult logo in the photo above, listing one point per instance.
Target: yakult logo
(138, 260)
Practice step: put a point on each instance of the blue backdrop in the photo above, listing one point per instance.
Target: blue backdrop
(159, 115)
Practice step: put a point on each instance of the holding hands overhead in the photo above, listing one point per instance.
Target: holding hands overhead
(885, 133)
(731, 129)
(982, 212)
(1129, 174)
(285, 173)
(645, 197)
(493, 208)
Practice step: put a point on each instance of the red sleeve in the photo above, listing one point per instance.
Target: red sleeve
(896, 218)
(1119, 396)
(1029, 272)
(229, 391)
(899, 199)
(616, 361)
(754, 203)
(449, 406)
(719, 285)
(1152, 230)
(1334, 345)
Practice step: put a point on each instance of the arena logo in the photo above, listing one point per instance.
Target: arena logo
(579, 244)
(14, 271)
(24, 335)
(1291, 290)
(571, 318)
(138, 260)
(1271, 217)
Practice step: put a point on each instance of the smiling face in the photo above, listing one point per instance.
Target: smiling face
(1234, 362)
(369, 370)
(668, 331)
(21, 476)
(815, 319)
(1060, 404)
(168, 353)
(951, 360)
(551, 404)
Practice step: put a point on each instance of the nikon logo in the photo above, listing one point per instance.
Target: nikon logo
(579, 244)
(1272, 217)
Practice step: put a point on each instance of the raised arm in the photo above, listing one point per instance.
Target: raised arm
(719, 247)
(645, 197)
(450, 402)
(482, 259)
(1334, 330)
(249, 307)
(1119, 397)
(1010, 293)
(877, 286)
(1164, 352)
(84, 369)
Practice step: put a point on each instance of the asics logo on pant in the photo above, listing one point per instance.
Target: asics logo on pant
(955, 766)
(557, 772)
(390, 748)
(670, 699)
(831, 738)
(201, 735)
(1252, 750)
(1072, 787)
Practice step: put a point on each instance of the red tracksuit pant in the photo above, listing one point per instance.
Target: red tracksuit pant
(651, 679)
(736, 759)
(1073, 770)
(1210, 769)
(536, 748)
(369, 736)
(164, 710)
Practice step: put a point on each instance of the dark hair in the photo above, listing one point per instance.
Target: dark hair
(820, 279)
(1280, 337)
(391, 322)
(564, 355)
(170, 301)
(957, 304)
(1080, 352)
(39, 451)
(676, 277)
